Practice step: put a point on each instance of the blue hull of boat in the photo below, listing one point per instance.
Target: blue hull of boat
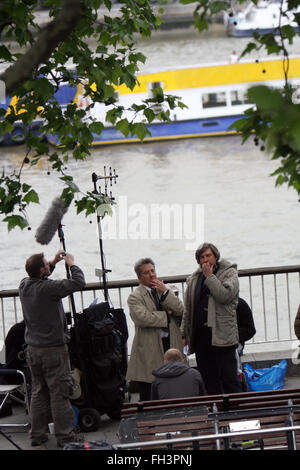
(243, 33)
(166, 131)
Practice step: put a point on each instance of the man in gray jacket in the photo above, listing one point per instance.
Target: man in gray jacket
(175, 379)
(209, 325)
(46, 336)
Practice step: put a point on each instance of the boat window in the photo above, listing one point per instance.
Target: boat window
(153, 85)
(238, 97)
(156, 85)
(212, 100)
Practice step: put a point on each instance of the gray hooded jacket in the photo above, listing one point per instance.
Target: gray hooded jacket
(175, 379)
(222, 304)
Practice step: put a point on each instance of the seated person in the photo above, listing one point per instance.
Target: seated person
(175, 379)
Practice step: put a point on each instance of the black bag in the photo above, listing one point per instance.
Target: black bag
(96, 349)
(245, 321)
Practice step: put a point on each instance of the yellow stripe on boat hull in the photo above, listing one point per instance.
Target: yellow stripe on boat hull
(206, 76)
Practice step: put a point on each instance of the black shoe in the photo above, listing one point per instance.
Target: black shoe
(39, 441)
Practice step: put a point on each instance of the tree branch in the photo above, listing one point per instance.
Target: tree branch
(46, 42)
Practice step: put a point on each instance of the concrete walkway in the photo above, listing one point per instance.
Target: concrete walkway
(108, 432)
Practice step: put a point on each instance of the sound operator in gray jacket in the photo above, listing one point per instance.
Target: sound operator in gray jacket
(47, 353)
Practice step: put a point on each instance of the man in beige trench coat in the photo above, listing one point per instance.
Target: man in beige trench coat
(155, 311)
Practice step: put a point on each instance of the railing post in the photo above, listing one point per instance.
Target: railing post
(276, 306)
(3, 319)
(264, 306)
(288, 303)
(250, 292)
(120, 298)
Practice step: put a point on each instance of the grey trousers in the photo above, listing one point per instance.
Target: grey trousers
(51, 389)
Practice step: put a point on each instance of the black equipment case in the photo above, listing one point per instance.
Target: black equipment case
(98, 348)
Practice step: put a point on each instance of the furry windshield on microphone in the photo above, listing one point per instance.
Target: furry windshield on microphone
(51, 222)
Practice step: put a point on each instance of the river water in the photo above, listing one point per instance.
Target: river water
(170, 196)
(219, 188)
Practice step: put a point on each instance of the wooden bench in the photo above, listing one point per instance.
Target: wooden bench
(170, 428)
(205, 416)
(234, 401)
(268, 418)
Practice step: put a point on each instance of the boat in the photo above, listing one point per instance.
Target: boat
(263, 18)
(215, 96)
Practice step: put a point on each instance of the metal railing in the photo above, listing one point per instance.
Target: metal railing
(272, 293)
(213, 437)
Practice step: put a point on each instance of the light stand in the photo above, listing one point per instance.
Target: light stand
(108, 181)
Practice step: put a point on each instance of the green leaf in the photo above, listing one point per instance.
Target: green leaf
(158, 21)
(5, 53)
(123, 126)
(181, 105)
(186, 2)
(31, 196)
(201, 24)
(140, 130)
(97, 127)
(217, 6)
(295, 135)
(149, 114)
(25, 187)
(249, 48)
(70, 183)
(15, 221)
(129, 80)
(281, 180)
(288, 32)
(113, 114)
(265, 97)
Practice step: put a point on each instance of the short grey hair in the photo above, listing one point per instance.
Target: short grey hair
(204, 247)
(139, 264)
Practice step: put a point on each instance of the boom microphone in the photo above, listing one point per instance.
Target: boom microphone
(51, 222)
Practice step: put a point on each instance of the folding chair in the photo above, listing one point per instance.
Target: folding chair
(14, 392)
